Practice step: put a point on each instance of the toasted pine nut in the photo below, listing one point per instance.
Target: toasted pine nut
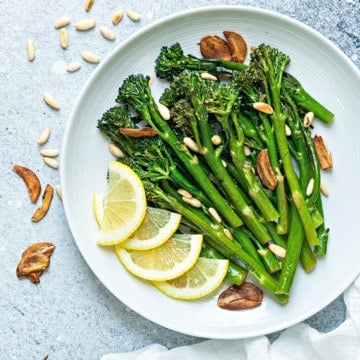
(193, 202)
(263, 107)
(73, 66)
(247, 150)
(184, 193)
(51, 101)
(49, 152)
(30, 49)
(64, 39)
(116, 151)
(310, 187)
(287, 130)
(215, 215)
(191, 144)
(216, 140)
(44, 137)
(88, 5)
(324, 190)
(133, 15)
(62, 22)
(85, 25)
(107, 33)
(228, 234)
(90, 57)
(58, 191)
(51, 162)
(117, 17)
(277, 250)
(207, 76)
(308, 119)
(164, 111)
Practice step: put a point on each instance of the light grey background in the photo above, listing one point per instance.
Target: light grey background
(70, 314)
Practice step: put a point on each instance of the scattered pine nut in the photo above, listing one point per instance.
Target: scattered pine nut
(310, 187)
(228, 234)
(88, 5)
(58, 191)
(324, 190)
(107, 33)
(215, 215)
(287, 130)
(277, 250)
(117, 17)
(184, 193)
(73, 66)
(133, 15)
(207, 76)
(30, 47)
(116, 151)
(193, 202)
(44, 137)
(85, 25)
(51, 162)
(64, 39)
(191, 144)
(90, 57)
(164, 111)
(216, 140)
(308, 119)
(263, 107)
(224, 163)
(62, 22)
(247, 150)
(49, 152)
(51, 101)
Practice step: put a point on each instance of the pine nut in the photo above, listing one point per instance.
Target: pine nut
(116, 151)
(117, 17)
(30, 47)
(324, 190)
(73, 66)
(224, 163)
(287, 130)
(263, 107)
(184, 193)
(62, 22)
(277, 250)
(207, 76)
(58, 191)
(107, 33)
(88, 5)
(308, 119)
(216, 140)
(64, 39)
(51, 162)
(164, 111)
(193, 202)
(310, 187)
(228, 234)
(90, 57)
(191, 144)
(215, 215)
(44, 137)
(85, 25)
(51, 101)
(49, 152)
(133, 15)
(247, 150)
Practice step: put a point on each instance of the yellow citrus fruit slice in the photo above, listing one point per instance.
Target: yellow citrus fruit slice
(167, 261)
(98, 208)
(202, 279)
(124, 205)
(157, 227)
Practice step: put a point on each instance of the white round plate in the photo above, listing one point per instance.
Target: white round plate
(326, 73)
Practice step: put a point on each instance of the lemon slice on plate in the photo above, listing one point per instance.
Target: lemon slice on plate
(167, 261)
(124, 205)
(98, 208)
(202, 279)
(157, 227)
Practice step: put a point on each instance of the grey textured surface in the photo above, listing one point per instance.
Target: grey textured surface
(70, 314)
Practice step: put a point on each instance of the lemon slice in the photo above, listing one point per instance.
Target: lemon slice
(157, 227)
(202, 279)
(167, 261)
(98, 208)
(124, 205)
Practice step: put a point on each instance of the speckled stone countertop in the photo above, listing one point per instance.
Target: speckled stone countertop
(70, 314)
